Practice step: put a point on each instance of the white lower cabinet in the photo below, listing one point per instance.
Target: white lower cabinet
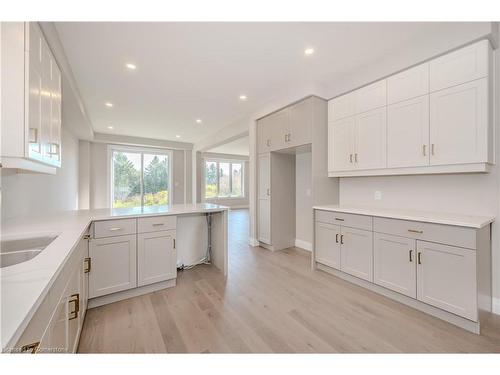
(357, 252)
(327, 244)
(446, 278)
(394, 263)
(156, 257)
(113, 265)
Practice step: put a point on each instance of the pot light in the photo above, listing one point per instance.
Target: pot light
(243, 97)
(309, 51)
(177, 136)
(108, 104)
(198, 120)
(131, 66)
(111, 127)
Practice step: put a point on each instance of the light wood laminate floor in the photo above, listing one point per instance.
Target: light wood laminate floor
(271, 302)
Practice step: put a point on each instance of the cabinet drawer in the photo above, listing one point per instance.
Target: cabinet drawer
(156, 223)
(346, 220)
(446, 234)
(109, 228)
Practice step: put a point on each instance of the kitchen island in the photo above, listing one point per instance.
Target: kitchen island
(111, 254)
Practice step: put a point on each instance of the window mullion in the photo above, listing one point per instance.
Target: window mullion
(230, 179)
(142, 180)
(218, 180)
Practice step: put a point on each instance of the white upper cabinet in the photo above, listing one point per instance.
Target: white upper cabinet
(300, 123)
(370, 150)
(408, 84)
(31, 100)
(466, 64)
(371, 96)
(342, 106)
(408, 133)
(433, 118)
(460, 124)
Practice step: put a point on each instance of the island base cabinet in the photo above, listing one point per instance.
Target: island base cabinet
(394, 263)
(156, 257)
(327, 246)
(357, 253)
(114, 261)
(446, 278)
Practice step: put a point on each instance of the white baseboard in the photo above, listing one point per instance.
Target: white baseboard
(253, 241)
(495, 308)
(303, 244)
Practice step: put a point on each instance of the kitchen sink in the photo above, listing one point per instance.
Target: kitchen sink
(21, 249)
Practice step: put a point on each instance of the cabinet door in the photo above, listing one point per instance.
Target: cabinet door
(55, 115)
(459, 124)
(446, 278)
(84, 280)
(408, 133)
(342, 106)
(264, 198)
(394, 263)
(45, 101)
(279, 129)
(264, 141)
(408, 84)
(300, 123)
(156, 257)
(58, 335)
(371, 139)
(371, 96)
(113, 265)
(356, 254)
(341, 145)
(327, 244)
(73, 298)
(464, 65)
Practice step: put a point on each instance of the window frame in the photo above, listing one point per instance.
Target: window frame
(230, 162)
(142, 151)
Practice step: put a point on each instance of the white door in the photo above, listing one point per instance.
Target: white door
(356, 254)
(371, 139)
(264, 198)
(113, 265)
(301, 123)
(459, 124)
(341, 145)
(278, 124)
(408, 133)
(446, 278)
(394, 263)
(327, 244)
(156, 257)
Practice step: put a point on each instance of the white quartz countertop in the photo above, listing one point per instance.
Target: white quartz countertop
(462, 220)
(24, 286)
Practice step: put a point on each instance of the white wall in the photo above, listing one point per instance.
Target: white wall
(35, 194)
(303, 201)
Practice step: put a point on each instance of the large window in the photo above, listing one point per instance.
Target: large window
(223, 179)
(139, 178)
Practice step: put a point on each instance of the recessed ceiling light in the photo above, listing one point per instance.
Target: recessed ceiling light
(177, 136)
(111, 127)
(243, 97)
(108, 104)
(198, 120)
(309, 51)
(131, 66)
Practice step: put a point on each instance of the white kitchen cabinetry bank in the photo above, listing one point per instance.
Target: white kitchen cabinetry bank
(31, 100)
(437, 263)
(432, 118)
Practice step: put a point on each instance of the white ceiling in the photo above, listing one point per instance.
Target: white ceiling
(187, 71)
(240, 146)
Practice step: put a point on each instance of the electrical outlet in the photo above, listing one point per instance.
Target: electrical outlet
(378, 195)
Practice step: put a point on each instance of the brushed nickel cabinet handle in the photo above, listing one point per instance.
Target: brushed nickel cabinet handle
(356, 157)
(419, 258)
(114, 229)
(432, 149)
(30, 348)
(410, 255)
(341, 239)
(87, 265)
(350, 158)
(415, 231)
(423, 150)
(174, 242)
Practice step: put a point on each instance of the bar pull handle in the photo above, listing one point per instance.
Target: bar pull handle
(415, 231)
(341, 239)
(350, 158)
(174, 242)
(423, 150)
(268, 192)
(87, 265)
(419, 258)
(410, 254)
(114, 229)
(432, 149)
(336, 238)
(158, 224)
(356, 157)
(339, 219)
(75, 298)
